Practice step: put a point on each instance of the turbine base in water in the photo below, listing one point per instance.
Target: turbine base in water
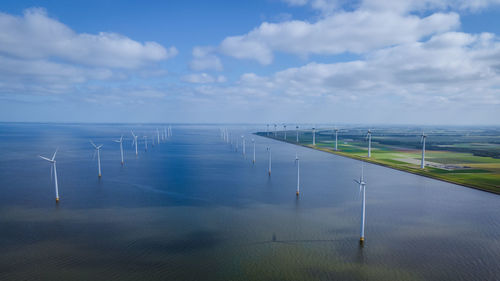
(57, 200)
(361, 240)
(297, 193)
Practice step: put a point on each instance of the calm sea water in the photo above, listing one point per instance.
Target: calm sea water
(194, 209)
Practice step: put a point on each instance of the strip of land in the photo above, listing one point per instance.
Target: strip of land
(460, 168)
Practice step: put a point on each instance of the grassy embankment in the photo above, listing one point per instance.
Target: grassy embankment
(456, 167)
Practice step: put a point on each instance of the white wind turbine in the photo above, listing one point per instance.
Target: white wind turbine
(275, 132)
(53, 168)
(244, 146)
(362, 189)
(298, 174)
(98, 150)
(134, 141)
(422, 140)
(297, 132)
(267, 130)
(158, 134)
(314, 136)
(336, 137)
(284, 126)
(253, 142)
(369, 137)
(145, 143)
(120, 141)
(269, 152)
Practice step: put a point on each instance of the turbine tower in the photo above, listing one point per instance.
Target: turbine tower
(336, 138)
(158, 135)
(244, 146)
(298, 174)
(369, 137)
(275, 132)
(297, 132)
(253, 142)
(120, 141)
(269, 152)
(98, 150)
(362, 189)
(284, 126)
(314, 136)
(422, 140)
(53, 167)
(145, 143)
(267, 130)
(134, 141)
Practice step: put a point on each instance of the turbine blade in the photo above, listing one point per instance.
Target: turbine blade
(51, 173)
(54, 156)
(99, 147)
(93, 156)
(44, 158)
(92, 143)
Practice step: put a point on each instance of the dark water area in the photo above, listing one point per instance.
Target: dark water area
(192, 208)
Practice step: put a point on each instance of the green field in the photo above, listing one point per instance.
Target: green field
(453, 157)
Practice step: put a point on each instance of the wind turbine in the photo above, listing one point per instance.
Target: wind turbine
(253, 142)
(422, 140)
(53, 167)
(134, 141)
(314, 136)
(275, 132)
(269, 152)
(297, 132)
(267, 131)
(98, 149)
(369, 137)
(120, 141)
(336, 137)
(244, 147)
(298, 174)
(284, 126)
(158, 134)
(362, 188)
(145, 143)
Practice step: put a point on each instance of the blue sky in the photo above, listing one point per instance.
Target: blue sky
(318, 61)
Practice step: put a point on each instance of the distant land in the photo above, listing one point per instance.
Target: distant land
(465, 156)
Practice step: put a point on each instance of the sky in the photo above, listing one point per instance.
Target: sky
(425, 62)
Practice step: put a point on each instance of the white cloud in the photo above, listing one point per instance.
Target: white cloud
(205, 59)
(40, 55)
(450, 70)
(356, 32)
(37, 36)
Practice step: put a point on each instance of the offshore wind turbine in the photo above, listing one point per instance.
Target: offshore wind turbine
(336, 137)
(297, 132)
(134, 141)
(120, 141)
(369, 137)
(362, 189)
(145, 143)
(275, 132)
(269, 152)
(98, 150)
(284, 126)
(298, 174)
(267, 130)
(244, 147)
(53, 168)
(314, 136)
(253, 142)
(422, 140)
(158, 135)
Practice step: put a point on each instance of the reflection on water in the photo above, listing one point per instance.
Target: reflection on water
(193, 209)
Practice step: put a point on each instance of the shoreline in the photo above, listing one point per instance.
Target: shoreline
(411, 171)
